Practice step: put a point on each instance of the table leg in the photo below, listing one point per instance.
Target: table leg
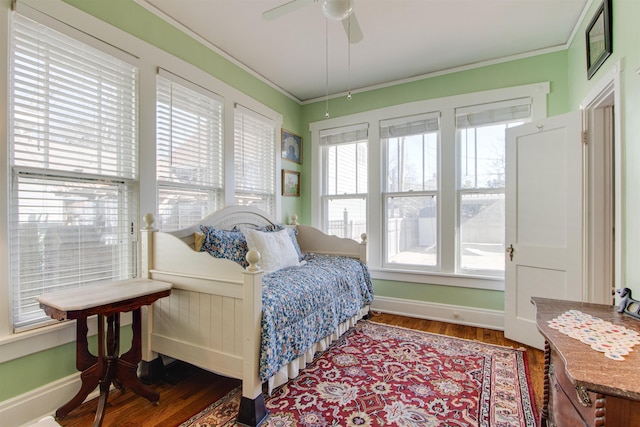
(84, 359)
(127, 364)
(90, 379)
(90, 365)
(107, 367)
(106, 360)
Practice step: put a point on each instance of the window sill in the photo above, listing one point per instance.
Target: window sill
(436, 278)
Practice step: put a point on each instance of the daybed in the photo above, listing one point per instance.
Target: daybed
(221, 318)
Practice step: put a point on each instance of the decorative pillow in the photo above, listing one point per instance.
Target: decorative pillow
(293, 232)
(225, 244)
(198, 241)
(276, 249)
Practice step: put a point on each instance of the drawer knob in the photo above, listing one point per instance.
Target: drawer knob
(583, 396)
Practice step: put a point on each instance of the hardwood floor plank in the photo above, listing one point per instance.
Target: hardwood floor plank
(187, 397)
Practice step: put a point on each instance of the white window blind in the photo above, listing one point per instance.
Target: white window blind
(344, 195)
(73, 166)
(496, 112)
(190, 158)
(413, 125)
(254, 160)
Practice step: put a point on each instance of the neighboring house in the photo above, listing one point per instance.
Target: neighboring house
(37, 367)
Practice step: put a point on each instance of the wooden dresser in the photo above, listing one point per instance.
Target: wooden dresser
(582, 387)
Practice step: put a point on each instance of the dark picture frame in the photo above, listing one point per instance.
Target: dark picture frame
(291, 145)
(290, 183)
(598, 38)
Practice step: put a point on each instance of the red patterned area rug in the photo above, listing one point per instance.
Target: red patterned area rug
(380, 375)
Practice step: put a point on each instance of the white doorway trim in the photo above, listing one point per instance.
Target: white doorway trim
(602, 110)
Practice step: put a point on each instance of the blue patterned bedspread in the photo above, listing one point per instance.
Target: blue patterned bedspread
(301, 305)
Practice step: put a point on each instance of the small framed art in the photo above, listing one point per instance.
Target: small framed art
(598, 38)
(290, 183)
(291, 146)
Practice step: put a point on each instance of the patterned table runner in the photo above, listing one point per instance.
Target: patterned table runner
(612, 340)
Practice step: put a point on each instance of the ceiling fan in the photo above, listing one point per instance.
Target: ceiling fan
(337, 10)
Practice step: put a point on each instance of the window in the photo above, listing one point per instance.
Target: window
(254, 160)
(410, 190)
(344, 196)
(189, 152)
(481, 182)
(73, 166)
(428, 180)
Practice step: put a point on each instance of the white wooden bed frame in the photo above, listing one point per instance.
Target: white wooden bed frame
(212, 317)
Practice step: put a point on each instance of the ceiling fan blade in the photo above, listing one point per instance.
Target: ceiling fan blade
(351, 23)
(285, 9)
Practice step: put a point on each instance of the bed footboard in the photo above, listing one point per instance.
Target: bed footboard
(211, 319)
(311, 239)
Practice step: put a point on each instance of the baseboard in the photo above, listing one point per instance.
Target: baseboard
(458, 314)
(28, 408)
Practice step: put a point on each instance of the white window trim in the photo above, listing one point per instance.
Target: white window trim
(72, 21)
(446, 106)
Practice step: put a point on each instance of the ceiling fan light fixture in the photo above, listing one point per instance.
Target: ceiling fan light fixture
(337, 9)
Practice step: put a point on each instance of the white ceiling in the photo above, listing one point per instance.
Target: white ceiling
(403, 39)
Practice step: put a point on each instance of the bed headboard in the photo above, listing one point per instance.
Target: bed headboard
(309, 238)
(226, 218)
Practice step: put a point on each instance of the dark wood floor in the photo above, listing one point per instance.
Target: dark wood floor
(187, 391)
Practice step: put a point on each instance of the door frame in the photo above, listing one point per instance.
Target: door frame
(603, 223)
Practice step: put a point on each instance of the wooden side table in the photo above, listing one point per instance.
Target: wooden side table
(106, 301)
(582, 387)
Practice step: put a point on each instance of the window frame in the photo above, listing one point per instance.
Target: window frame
(386, 194)
(328, 195)
(448, 184)
(461, 192)
(271, 195)
(215, 193)
(100, 117)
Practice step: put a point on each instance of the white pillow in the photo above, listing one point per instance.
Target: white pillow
(275, 247)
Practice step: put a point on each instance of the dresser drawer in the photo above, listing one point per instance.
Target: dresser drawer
(561, 410)
(589, 405)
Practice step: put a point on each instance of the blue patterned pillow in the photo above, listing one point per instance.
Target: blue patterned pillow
(225, 244)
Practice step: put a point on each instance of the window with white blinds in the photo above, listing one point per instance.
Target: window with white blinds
(411, 190)
(73, 166)
(189, 152)
(344, 190)
(481, 182)
(254, 160)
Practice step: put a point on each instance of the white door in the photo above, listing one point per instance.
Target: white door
(544, 220)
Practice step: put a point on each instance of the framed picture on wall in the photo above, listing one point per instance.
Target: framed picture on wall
(598, 38)
(290, 183)
(291, 146)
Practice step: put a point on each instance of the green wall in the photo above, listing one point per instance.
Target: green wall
(440, 294)
(565, 70)
(626, 52)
